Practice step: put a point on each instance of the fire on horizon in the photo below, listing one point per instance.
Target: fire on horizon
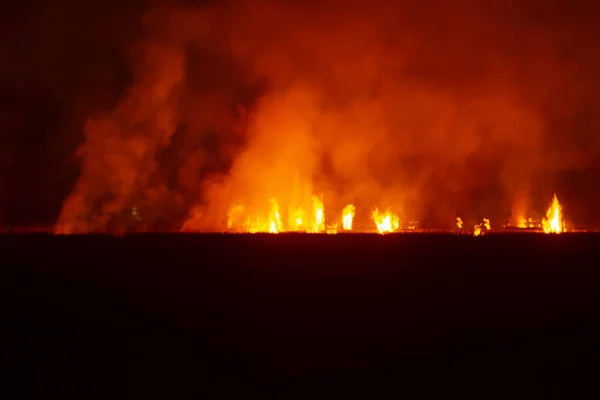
(313, 220)
(314, 117)
(242, 220)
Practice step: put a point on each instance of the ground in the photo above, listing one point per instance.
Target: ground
(419, 315)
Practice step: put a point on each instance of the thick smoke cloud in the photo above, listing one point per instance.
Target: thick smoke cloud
(430, 108)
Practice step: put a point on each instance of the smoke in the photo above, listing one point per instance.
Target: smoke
(423, 108)
(119, 153)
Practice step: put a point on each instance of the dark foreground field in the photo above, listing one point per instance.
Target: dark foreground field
(301, 316)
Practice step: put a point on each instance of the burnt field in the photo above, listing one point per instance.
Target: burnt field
(176, 315)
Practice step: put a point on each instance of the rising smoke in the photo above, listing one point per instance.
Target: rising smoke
(418, 106)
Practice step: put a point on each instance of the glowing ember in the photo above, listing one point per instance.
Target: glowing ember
(553, 223)
(459, 222)
(386, 222)
(348, 217)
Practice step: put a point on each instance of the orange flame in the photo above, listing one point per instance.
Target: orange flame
(553, 223)
(348, 217)
(479, 229)
(318, 214)
(386, 222)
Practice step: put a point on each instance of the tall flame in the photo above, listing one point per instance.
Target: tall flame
(318, 214)
(274, 218)
(553, 223)
(348, 217)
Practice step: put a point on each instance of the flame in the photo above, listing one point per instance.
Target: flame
(348, 217)
(526, 223)
(242, 218)
(255, 221)
(459, 222)
(274, 217)
(479, 229)
(386, 222)
(255, 224)
(318, 214)
(553, 223)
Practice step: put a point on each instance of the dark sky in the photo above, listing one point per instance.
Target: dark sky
(433, 108)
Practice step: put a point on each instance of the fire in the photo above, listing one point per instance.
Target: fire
(253, 219)
(479, 229)
(386, 222)
(348, 217)
(256, 224)
(526, 223)
(296, 220)
(459, 222)
(274, 217)
(319, 214)
(553, 223)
